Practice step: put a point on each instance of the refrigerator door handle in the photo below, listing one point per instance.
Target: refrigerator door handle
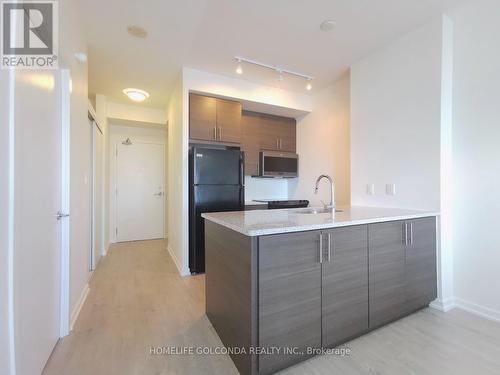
(242, 168)
(242, 197)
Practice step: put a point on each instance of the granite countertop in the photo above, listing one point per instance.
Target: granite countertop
(265, 222)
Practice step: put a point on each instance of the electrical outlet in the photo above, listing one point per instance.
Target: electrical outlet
(370, 189)
(390, 189)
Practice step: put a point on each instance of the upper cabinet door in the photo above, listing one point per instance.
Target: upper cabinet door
(270, 131)
(250, 143)
(421, 278)
(278, 134)
(289, 298)
(228, 121)
(386, 272)
(345, 284)
(202, 117)
(287, 134)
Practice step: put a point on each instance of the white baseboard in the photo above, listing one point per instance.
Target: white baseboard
(78, 307)
(459, 303)
(476, 309)
(443, 305)
(182, 271)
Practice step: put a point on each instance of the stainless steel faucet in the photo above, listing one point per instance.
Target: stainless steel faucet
(332, 190)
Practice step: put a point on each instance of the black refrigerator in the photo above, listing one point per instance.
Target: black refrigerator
(216, 184)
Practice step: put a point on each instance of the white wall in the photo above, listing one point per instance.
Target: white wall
(136, 113)
(177, 181)
(323, 144)
(4, 221)
(101, 111)
(118, 134)
(265, 188)
(395, 122)
(476, 156)
(72, 39)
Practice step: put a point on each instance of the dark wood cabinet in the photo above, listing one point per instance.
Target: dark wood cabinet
(250, 141)
(289, 298)
(288, 292)
(265, 132)
(202, 117)
(402, 272)
(229, 121)
(287, 136)
(386, 272)
(344, 284)
(420, 266)
(278, 133)
(212, 119)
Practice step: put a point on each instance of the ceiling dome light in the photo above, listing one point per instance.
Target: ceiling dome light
(137, 31)
(136, 95)
(327, 25)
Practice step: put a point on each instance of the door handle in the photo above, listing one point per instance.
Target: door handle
(159, 194)
(329, 246)
(321, 248)
(61, 215)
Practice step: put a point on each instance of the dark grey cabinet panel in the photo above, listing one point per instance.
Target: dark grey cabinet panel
(420, 268)
(231, 291)
(386, 272)
(289, 298)
(345, 285)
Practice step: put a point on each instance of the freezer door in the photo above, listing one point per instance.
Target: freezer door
(217, 167)
(209, 198)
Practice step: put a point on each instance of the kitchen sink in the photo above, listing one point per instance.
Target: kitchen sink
(315, 211)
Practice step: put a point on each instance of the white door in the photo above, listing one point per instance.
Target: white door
(140, 197)
(37, 186)
(97, 241)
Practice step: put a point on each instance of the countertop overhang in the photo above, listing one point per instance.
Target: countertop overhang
(266, 222)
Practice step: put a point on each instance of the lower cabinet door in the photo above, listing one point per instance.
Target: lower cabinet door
(345, 284)
(421, 277)
(289, 299)
(386, 272)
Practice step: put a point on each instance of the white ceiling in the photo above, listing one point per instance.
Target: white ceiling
(206, 34)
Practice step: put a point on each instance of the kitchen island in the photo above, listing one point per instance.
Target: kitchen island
(283, 285)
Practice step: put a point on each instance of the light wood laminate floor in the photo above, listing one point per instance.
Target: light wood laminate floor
(137, 300)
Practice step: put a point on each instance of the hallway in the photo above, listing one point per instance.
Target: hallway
(137, 300)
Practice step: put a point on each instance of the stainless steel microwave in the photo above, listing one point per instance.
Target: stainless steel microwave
(278, 164)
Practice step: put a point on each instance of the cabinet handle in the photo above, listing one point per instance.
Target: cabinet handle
(215, 133)
(411, 233)
(220, 134)
(277, 144)
(329, 246)
(321, 247)
(405, 234)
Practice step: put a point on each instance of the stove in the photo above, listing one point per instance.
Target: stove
(273, 205)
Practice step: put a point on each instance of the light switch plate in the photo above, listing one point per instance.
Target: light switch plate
(370, 189)
(390, 189)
